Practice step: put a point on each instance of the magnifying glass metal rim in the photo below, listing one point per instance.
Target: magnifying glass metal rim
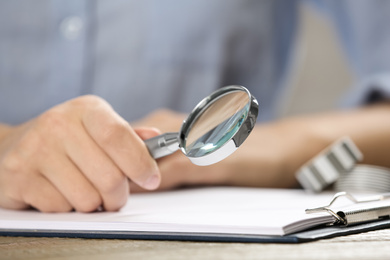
(238, 138)
(168, 143)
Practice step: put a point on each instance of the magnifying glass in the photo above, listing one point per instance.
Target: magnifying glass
(216, 127)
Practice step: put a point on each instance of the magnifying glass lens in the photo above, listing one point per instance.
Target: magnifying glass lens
(214, 129)
(218, 123)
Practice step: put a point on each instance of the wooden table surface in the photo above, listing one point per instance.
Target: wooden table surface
(370, 245)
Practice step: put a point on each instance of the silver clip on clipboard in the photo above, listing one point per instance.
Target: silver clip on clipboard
(363, 210)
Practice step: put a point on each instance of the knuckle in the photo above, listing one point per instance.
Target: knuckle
(10, 197)
(40, 139)
(88, 101)
(88, 205)
(52, 121)
(50, 126)
(54, 203)
(50, 118)
(118, 203)
(53, 127)
(12, 163)
(112, 131)
(112, 182)
(22, 156)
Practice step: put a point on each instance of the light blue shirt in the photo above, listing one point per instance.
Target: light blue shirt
(150, 54)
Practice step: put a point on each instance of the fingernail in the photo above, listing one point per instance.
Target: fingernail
(152, 182)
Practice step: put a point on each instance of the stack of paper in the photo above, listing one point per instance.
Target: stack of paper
(217, 210)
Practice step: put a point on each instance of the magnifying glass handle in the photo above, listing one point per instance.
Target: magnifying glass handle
(163, 145)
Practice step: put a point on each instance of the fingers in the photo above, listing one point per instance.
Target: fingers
(177, 171)
(170, 179)
(35, 191)
(101, 172)
(78, 155)
(48, 199)
(71, 183)
(123, 146)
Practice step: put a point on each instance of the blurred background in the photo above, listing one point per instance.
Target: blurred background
(321, 75)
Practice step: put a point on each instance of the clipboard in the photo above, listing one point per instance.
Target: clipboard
(358, 215)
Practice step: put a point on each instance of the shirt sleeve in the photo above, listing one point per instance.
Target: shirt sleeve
(370, 90)
(363, 27)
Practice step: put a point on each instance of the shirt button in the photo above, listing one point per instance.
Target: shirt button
(71, 27)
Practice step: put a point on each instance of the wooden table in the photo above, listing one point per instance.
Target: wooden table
(371, 245)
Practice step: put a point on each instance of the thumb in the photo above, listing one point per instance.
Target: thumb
(146, 133)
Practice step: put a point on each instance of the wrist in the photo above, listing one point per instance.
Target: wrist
(301, 140)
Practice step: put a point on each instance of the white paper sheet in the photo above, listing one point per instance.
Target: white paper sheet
(202, 210)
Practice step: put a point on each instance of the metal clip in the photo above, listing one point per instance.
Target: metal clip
(364, 214)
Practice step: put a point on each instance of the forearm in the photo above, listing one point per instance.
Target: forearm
(276, 150)
(369, 128)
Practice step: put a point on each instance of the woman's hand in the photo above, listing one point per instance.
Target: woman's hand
(78, 155)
